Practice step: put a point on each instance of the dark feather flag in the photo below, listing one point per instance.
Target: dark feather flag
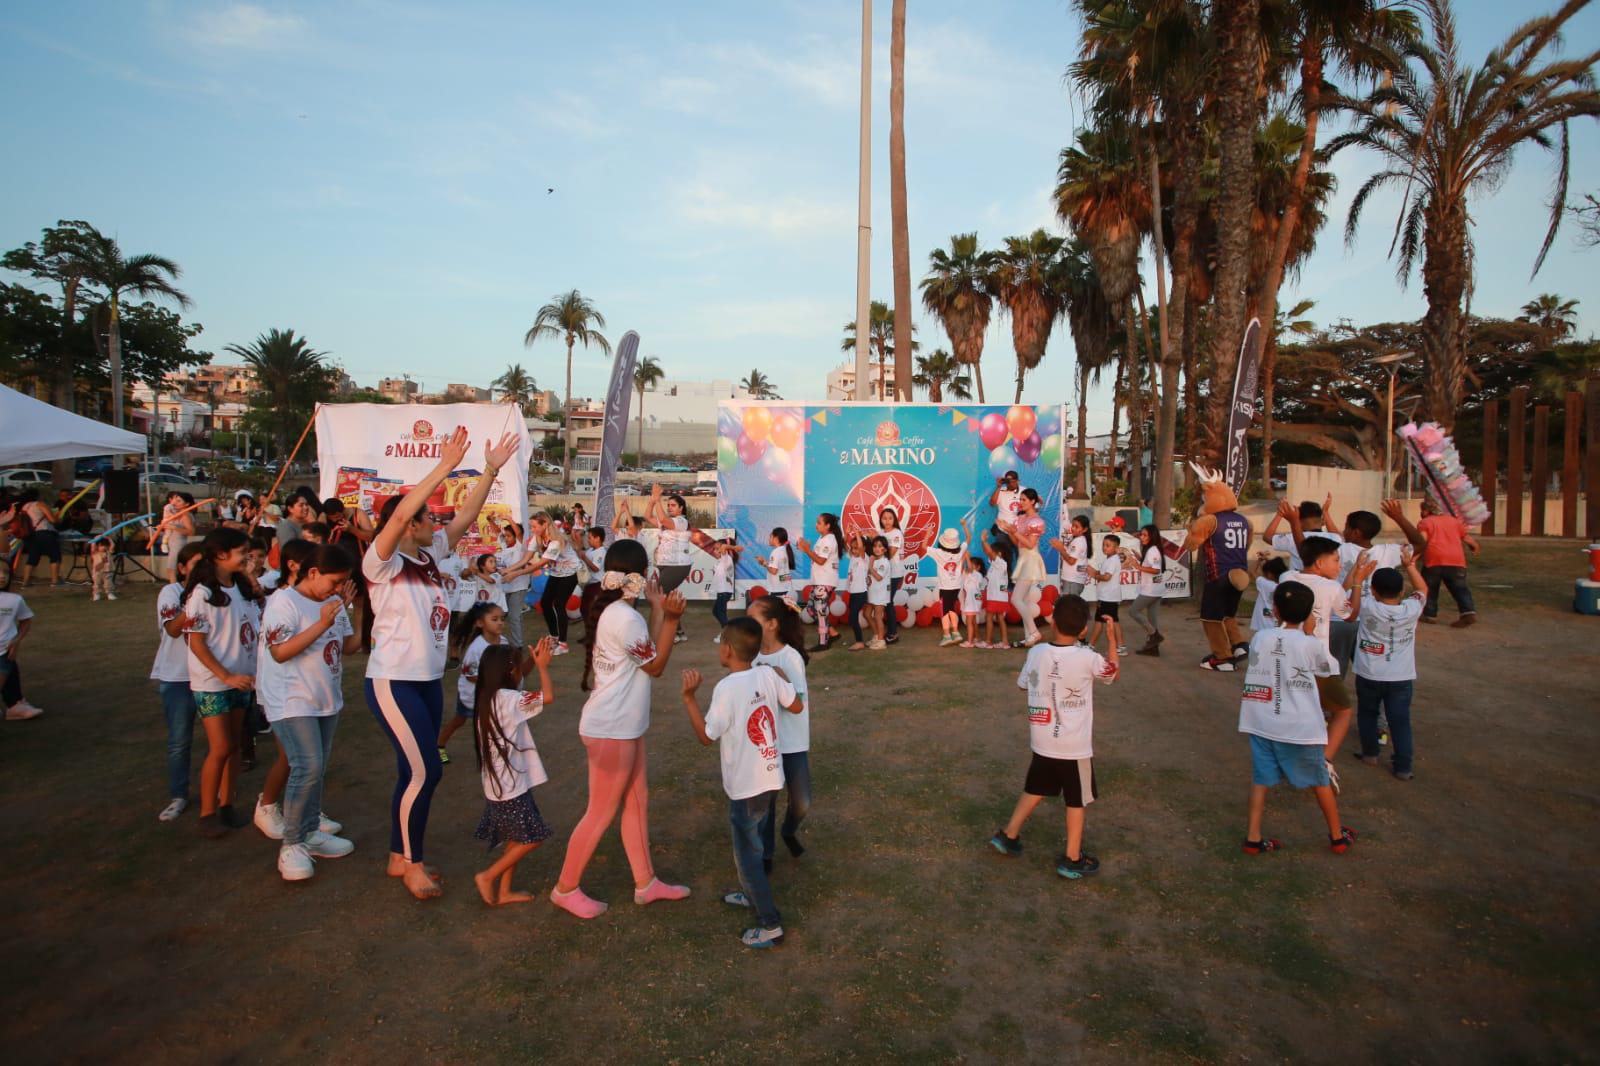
(615, 432)
(1236, 465)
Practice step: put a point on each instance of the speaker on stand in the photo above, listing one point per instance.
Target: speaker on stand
(122, 491)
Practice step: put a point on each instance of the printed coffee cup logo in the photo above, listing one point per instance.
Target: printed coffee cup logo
(420, 443)
(421, 429)
(888, 434)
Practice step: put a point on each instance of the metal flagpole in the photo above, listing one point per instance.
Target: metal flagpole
(864, 209)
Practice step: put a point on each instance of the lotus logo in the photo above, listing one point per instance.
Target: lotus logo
(888, 434)
(421, 429)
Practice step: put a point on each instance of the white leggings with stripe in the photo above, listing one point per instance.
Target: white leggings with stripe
(410, 713)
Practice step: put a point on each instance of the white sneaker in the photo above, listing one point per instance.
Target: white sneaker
(679, 637)
(269, 819)
(717, 639)
(170, 812)
(560, 648)
(21, 711)
(111, 595)
(327, 825)
(294, 862)
(327, 846)
(95, 598)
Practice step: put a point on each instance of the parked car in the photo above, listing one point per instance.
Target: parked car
(25, 478)
(166, 482)
(92, 467)
(667, 466)
(628, 490)
(703, 490)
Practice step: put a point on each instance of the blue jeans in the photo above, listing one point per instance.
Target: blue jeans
(306, 742)
(1394, 699)
(719, 609)
(744, 818)
(797, 780)
(177, 703)
(1453, 578)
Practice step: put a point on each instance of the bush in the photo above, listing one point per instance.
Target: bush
(1185, 501)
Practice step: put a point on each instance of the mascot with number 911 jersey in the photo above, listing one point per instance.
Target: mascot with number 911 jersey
(1222, 537)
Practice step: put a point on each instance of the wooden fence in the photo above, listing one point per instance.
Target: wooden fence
(1528, 468)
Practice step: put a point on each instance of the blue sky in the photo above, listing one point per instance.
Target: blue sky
(373, 174)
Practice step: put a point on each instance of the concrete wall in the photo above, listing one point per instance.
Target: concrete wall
(673, 438)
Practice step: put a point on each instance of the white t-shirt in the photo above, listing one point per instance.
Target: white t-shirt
(270, 579)
(1262, 618)
(794, 730)
(451, 568)
(560, 558)
(972, 584)
(1150, 584)
(507, 558)
(878, 582)
(778, 570)
(1330, 601)
(858, 573)
(410, 614)
(947, 566)
(1284, 542)
(467, 679)
(619, 706)
(485, 588)
(230, 633)
(522, 768)
(597, 556)
(1110, 590)
(672, 545)
(826, 573)
(1073, 572)
(897, 546)
(1060, 681)
(1005, 505)
(997, 582)
(172, 654)
(1280, 699)
(1382, 554)
(13, 610)
(310, 685)
(743, 719)
(722, 576)
(1386, 639)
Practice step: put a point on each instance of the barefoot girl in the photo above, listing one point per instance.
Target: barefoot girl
(621, 659)
(410, 620)
(306, 634)
(783, 647)
(824, 572)
(482, 626)
(222, 616)
(509, 763)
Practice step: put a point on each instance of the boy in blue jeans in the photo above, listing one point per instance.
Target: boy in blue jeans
(742, 718)
(1281, 712)
(1386, 662)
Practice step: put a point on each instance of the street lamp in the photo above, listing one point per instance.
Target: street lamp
(1392, 361)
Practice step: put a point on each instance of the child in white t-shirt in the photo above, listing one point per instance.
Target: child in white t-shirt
(997, 589)
(779, 564)
(947, 555)
(722, 580)
(856, 587)
(1360, 527)
(509, 762)
(1386, 662)
(486, 584)
(1059, 677)
(1105, 577)
(16, 618)
(1282, 710)
(171, 671)
(743, 719)
(1330, 600)
(878, 597)
(783, 647)
(1269, 570)
(972, 583)
(483, 626)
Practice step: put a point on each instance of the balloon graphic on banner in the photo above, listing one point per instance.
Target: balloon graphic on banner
(992, 430)
(751, 450)
(728, 423)
(786, 431)
(1049, 422)
(727, 453)
(1020, 421)
(1001, 459)
(757, 424)
(774, 465)
(1050, 451)
(1028, 448)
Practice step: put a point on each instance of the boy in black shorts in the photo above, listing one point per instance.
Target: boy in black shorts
(1059, 677)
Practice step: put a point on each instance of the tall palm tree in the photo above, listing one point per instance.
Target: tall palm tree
(940, 373)
(1027, 282)
(516, 385)
(646, 372)
(759, 386)
(1550, 312)
(1092, 322)
(880, 338)
(292, 375)
(1102, 193)
(105, 266)
(570, 317)
(1445, 129)
(900, 237)
(956, 290)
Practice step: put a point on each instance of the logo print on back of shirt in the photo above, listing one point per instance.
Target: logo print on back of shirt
(247, 635)
(439, 619)
(330, 655)
(763, 731)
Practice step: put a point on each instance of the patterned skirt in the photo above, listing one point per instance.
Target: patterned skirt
(512, 821)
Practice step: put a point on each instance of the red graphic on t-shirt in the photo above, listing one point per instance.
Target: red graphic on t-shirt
(909, 497)
(330, 655)
(763, 731)
(278, 634)
(643, 651)
(169, 613)
(247, 635)
(439, 620)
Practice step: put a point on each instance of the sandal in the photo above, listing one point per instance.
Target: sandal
(1258, 847)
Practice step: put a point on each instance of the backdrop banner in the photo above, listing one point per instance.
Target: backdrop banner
(781, 465)
(369, 452)
(618, 394)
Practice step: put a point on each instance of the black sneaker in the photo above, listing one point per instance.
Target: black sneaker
(892, 638)
(1221, 666)
(1005, 845)
(1085, 865)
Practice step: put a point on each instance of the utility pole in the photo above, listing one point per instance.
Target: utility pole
(864, 211)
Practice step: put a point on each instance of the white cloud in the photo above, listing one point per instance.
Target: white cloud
(704, 201)
(572, 113)
(242, 26)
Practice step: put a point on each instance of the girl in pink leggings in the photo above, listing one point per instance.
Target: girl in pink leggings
(621, 660)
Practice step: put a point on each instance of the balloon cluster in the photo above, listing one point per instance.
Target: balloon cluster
(1022, 435)
(1448, 482)
(760, 437)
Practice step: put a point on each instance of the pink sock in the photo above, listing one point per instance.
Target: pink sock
(577, 904)
(659, 889)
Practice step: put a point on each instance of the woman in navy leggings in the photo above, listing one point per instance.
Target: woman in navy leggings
(410, 635)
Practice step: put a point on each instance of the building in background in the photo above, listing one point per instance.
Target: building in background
(543, 403)
(234, 384)
(842, 381)
(398, 390)
(457, 393)
(680, 417)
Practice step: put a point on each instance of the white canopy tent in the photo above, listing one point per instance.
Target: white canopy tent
(37, 432)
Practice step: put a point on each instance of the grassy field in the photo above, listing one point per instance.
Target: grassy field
(1461, 928)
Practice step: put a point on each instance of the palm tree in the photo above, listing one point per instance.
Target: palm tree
(1551, 313)
(880, 338)
(570, 317)
(1027, 282)
(900, 237)
(516, 385)
(940, 373)
(1092, 322)
(103, 264)
(759, 386)
(956, 290)
(1102, 194)
(645, 374)
(292, 377)
(1444, 130)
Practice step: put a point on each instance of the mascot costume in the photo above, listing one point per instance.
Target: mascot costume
(1222, 536)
